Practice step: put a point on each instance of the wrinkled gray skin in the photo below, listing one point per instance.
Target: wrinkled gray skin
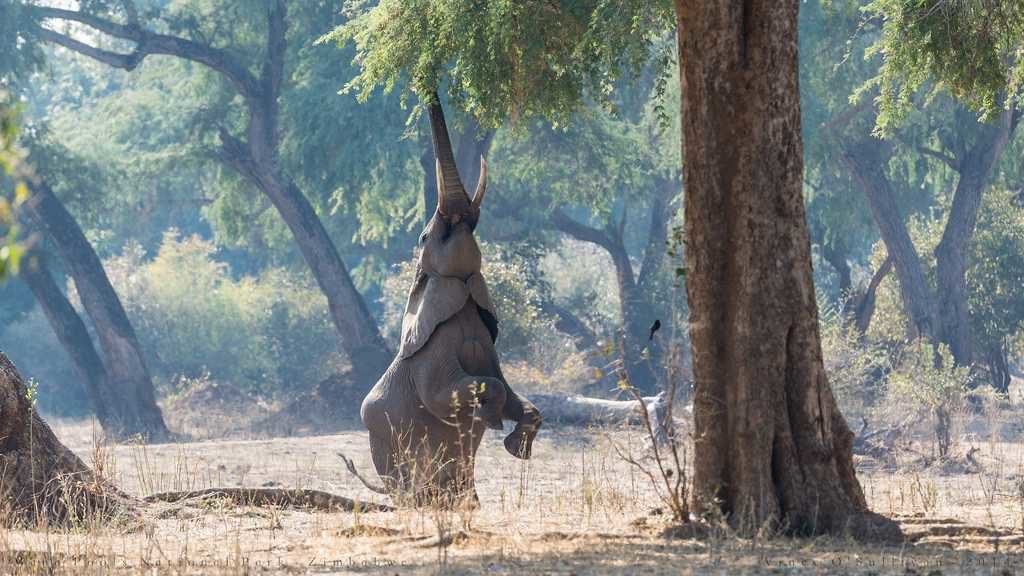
(428, 412)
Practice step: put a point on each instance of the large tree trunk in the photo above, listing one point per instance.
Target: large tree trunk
(131, 407)
(770, 443)
(41, 481)
(975, 167)
(72, 335)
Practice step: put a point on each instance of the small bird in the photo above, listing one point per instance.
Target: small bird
(654, 328)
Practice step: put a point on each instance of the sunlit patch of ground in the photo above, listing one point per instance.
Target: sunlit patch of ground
(576, 508)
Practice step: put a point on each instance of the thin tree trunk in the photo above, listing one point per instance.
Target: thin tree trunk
(999, 368)
(866, 161)
(131, 404)
(474, 143)
(637, 317)
(41, 481)
(836, 256)
(360, 337)
(865, 307)
(73, 336)
(770, 443)
(635, 310)
(975, 167)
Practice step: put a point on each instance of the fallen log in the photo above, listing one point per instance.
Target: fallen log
(279, 497)
(582, 410)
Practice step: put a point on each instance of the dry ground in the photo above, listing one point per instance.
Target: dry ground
(576, 508)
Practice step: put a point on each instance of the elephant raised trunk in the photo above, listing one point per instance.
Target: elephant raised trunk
(427, 413)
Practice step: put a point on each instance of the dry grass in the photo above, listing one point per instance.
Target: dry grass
(576, 508)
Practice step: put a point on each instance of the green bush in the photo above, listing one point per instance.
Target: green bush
(268, 334)
(925, 380)
(856, 366)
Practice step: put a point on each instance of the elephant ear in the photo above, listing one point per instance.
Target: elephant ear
(488, 313)
(432, 301)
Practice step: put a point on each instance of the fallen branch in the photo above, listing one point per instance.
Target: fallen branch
(280, 497)
(378, 488)
(878, 443)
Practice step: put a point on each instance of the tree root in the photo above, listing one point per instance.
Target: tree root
(280, 497)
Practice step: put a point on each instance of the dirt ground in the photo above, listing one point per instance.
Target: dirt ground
(576, 508)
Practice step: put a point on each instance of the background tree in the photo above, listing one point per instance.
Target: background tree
(974, 50)
(256, 155)
(40, 479)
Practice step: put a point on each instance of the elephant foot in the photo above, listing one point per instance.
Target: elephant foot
(520, 443)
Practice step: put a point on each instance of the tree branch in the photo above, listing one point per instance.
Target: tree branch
(847, 115)
(582, 232)
(113, 59)
(146, 43)
(273, 66)
(949, 160)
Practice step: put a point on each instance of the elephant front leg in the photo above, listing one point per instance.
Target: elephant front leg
(458, 392)
(528, 421)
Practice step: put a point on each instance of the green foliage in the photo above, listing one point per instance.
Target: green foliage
(854, 364)
(581, 279)
(973, 48)
(10, 157)
(995, 278)
(501, 58)
(269, 334)
(927, 377)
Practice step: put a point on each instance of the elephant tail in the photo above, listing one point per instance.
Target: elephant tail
(352, 469)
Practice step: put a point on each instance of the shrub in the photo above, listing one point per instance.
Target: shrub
(268, 334)
(856, 366)
(582, 278)
(925, 379)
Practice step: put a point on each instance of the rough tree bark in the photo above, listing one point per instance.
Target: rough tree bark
(130, 402)
(770, 443)
(41, 481)
(255, 157)
(73, 337)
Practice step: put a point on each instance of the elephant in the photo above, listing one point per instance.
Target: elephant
(427, 414)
